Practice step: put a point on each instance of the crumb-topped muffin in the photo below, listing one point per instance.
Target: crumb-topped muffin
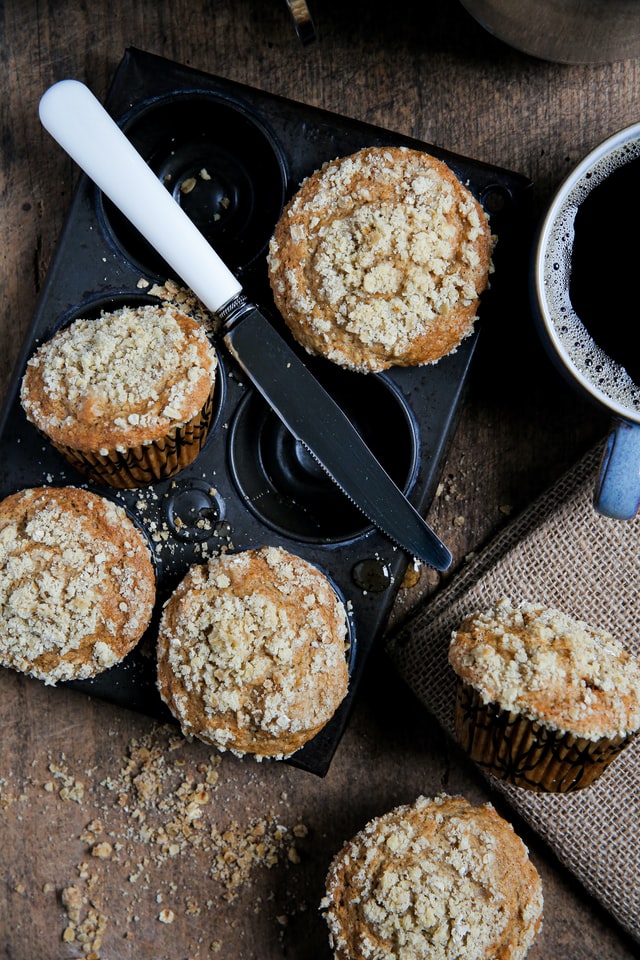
(379, 260)
(544, 700)
(439, 879)
(127, 397)
(252, 652)
(77, 583)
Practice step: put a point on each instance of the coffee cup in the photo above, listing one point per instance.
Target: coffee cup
(584, 270)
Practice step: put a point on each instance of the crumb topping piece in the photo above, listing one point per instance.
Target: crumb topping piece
(550, 667)
(380, 259)
(77, 584)
(251, 652)
(124, 378)
(438, 879)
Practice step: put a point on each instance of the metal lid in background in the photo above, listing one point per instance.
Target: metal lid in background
(564, 31)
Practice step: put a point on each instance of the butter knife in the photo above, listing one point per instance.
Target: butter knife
(76, 119)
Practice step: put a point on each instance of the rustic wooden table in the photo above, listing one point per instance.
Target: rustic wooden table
(118, 839)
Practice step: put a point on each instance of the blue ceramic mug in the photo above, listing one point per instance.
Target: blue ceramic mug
(584, 281)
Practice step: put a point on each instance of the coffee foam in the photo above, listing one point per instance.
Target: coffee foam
(606, 377)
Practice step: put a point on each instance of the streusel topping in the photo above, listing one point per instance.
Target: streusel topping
(438, 879)
(76, 583)
(128, 376)
(252, 649)
(376, 252)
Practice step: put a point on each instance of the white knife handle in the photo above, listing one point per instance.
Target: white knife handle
(82, 127)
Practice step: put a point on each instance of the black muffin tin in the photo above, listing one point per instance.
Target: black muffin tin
(252, 484)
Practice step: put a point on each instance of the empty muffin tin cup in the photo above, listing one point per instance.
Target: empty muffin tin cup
(287, 489)
(221, 165)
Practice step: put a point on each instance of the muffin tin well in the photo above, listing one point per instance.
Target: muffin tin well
(232, 155)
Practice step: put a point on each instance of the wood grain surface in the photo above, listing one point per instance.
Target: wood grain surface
(170, 851)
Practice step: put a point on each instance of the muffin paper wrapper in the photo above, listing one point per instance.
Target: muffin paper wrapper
(141, 465)
(525, 752)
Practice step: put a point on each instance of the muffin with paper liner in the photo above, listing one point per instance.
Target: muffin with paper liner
(127, 397)
(544, 701)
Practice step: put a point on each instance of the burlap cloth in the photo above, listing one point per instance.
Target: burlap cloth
(563, 554)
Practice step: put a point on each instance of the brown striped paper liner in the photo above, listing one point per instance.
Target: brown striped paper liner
(528, 753)
(146, 463)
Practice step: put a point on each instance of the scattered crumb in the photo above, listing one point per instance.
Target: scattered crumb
(157, 806)
(186, 300)
(412, 575)
(102, 850)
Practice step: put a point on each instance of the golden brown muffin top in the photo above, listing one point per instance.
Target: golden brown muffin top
(380, 258)
(550, 667)
(77, 585)
(125, 378)
(438, 879)
(251, 652)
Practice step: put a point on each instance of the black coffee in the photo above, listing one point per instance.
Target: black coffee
(605, 266)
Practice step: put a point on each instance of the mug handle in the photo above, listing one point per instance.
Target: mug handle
(617, 493)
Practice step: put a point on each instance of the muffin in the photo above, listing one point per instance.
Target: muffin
(439, 879)
(77, 584)
(127, 397)
(543, 701)
(379, 260)
(251, 652)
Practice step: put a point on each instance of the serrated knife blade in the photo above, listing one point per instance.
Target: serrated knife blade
(308, 411)
(76, 119)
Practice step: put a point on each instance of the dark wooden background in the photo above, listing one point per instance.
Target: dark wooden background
(425, 70)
